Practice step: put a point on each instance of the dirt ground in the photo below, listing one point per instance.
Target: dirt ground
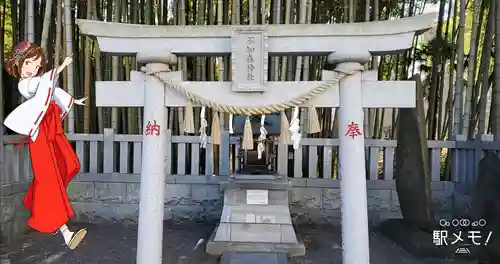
(111, 244)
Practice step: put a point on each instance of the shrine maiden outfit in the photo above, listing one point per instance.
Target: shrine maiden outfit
(53, 159)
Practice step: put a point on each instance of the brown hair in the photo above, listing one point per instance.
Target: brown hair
(24, 50)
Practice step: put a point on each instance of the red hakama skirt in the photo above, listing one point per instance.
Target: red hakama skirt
(54, 164)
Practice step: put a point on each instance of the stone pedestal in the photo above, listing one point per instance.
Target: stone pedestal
(255, 217)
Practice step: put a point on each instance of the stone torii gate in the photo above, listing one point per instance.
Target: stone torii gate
(347, 87)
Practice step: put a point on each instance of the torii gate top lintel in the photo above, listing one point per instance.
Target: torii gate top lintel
(378, 37)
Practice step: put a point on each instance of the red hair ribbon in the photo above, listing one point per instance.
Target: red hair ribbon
(20, 49)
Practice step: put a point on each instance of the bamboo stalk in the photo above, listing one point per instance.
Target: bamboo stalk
(284, 64)
(46, 24)
(471, 67)
(220, 60)
(485, 69)
(98, 72)
(57, 54)
(68, 30)
(2, 88)
(87, 79)
(30, 21)
(457, 117)
(496, 95)
(182, 64)
(275, 66)
(115, 66)
(298, 70)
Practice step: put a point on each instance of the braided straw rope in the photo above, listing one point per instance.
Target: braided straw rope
(278, 107)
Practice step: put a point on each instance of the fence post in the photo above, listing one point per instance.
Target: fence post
(458, 161)
(168, 152)
(108, 153)
(478, 155)
(486, 138)
(224, 154)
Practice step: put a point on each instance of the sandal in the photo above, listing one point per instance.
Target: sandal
(77, 238)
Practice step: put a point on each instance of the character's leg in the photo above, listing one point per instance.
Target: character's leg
(49, 201)
(66, 157)
(72, 239)
(28, 198)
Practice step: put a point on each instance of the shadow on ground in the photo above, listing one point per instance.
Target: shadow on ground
(112, 244)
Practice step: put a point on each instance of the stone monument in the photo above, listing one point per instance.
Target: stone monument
(412, 177)
(255, 216)
(486, 205)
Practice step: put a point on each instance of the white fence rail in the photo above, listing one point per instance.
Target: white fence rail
(317, 158)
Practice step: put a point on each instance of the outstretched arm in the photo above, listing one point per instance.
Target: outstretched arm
(81, 101)
(64, 101)
(67, 61)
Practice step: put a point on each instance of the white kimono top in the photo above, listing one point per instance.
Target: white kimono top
(39, 92)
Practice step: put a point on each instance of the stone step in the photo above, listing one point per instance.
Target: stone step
(254, 238)
(240, 197)
(253, 258)
(256, 214)
(262, 182)
(256, 233)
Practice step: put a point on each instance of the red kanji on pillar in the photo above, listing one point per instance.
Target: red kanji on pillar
(353, 130)
(152, 129)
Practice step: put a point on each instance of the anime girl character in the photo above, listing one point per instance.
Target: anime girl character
(39, 120)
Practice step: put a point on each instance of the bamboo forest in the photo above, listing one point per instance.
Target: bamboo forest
(456, 59)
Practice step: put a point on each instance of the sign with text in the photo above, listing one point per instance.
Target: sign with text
(249, 60)
(257, 197)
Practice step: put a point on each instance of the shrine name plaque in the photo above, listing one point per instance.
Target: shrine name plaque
(249, 60)
(258, 197)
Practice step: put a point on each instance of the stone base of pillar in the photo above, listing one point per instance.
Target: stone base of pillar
(255, 217)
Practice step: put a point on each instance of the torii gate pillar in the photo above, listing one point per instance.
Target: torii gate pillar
(151, 207)
(355, 236)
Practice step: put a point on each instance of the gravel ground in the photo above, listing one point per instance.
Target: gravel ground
(111, 244)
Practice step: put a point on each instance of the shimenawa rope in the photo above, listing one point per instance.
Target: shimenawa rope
(278, 107)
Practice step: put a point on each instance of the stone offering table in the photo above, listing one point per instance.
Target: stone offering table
(256, 217)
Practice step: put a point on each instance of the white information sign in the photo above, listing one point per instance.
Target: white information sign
(257, 197)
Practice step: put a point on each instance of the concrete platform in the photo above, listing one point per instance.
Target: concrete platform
(256, 217)
(217, 248)
(253, 258)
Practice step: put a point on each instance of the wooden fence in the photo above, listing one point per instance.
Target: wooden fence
(317, 158)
